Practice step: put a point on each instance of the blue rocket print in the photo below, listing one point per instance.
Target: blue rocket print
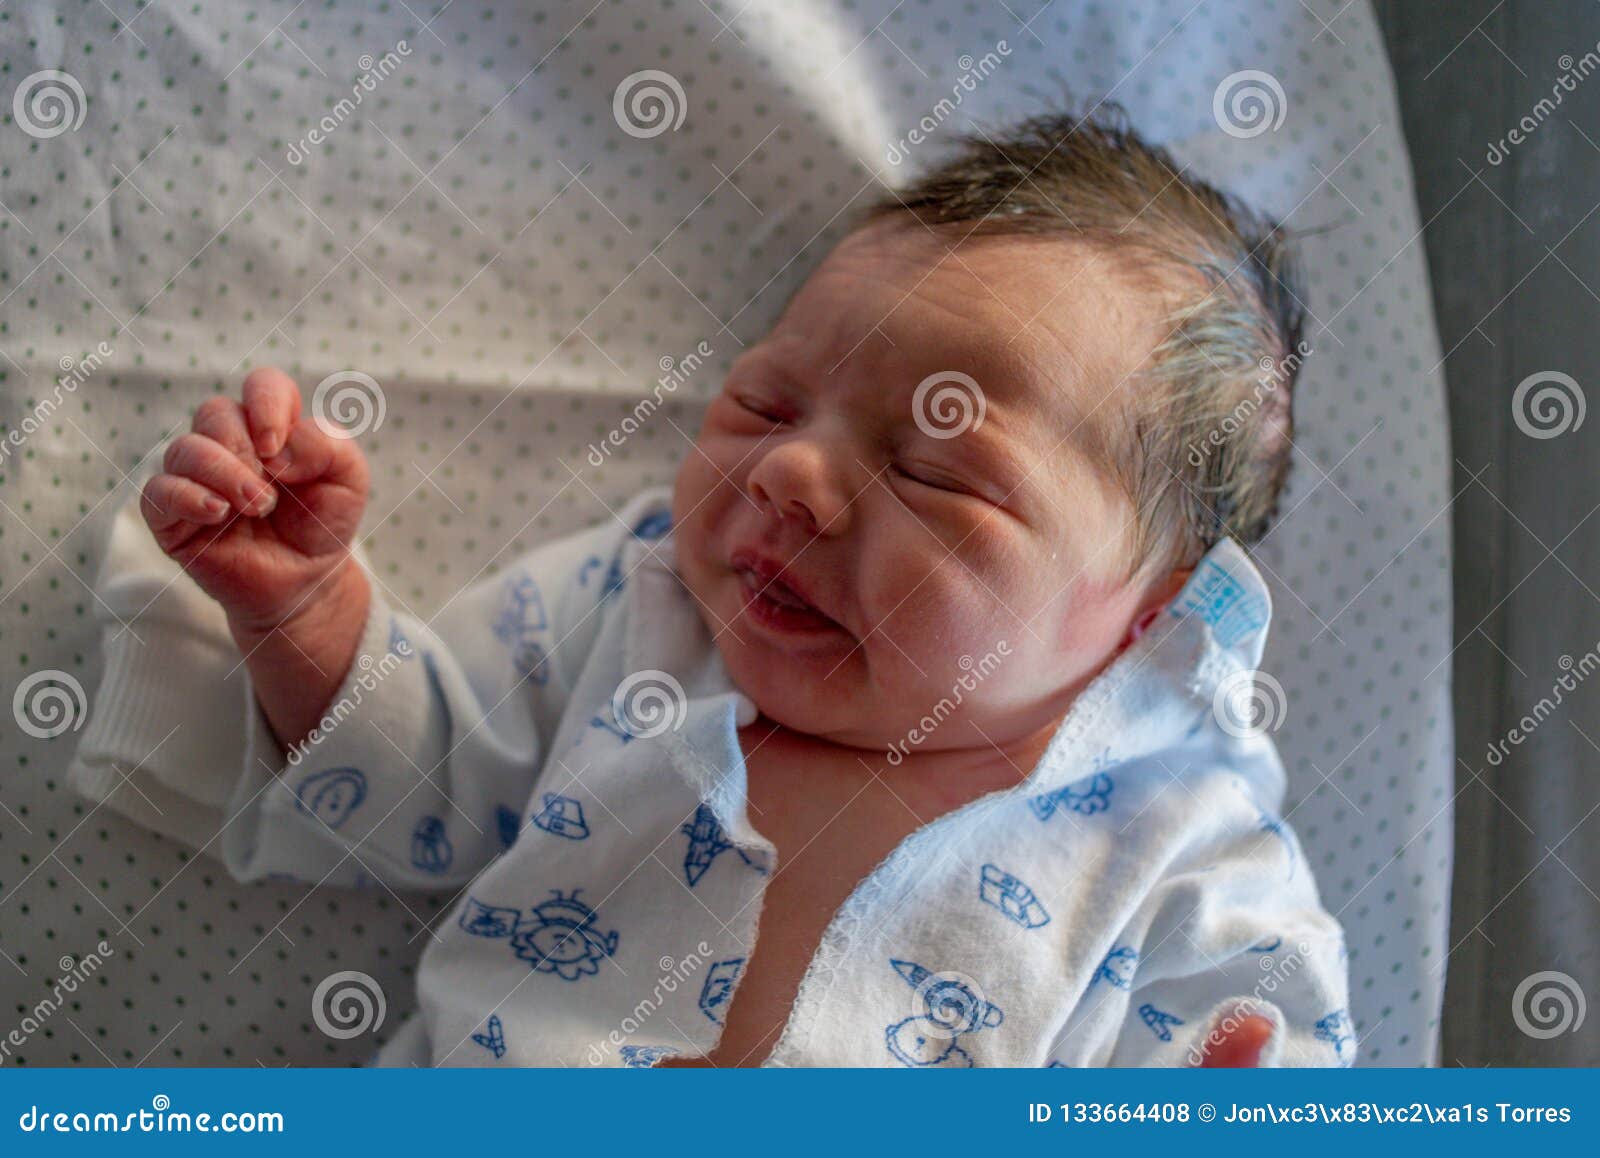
(638, 1057)
(1336, 1029)
(430, 847)
(718, 989)
(1087, 796)
(1118, 967)
(493, 1038)
(707, 841)
(560, 937)
(1222, 603)
(611, 725)
(562, 816)
(508, 823)
(949, 1011)
(521, 620)
(1013, 898)
(483, 920)
(1160, 1022)
(331, 796)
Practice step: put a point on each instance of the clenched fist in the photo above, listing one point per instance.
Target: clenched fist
(258, 503)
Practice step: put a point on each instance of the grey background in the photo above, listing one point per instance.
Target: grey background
(1512, 251)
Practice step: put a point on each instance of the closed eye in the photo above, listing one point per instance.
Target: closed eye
(757, 409)
(928, 479)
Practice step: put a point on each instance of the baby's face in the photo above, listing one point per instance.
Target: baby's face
(921, 555)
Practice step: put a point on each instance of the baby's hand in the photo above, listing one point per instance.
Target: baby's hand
(258, 503)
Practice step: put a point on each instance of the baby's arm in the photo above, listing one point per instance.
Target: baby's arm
(259, 504)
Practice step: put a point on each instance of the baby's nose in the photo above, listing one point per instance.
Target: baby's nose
(796, 482)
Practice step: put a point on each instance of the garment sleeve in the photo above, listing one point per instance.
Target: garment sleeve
(1241, 932)
(423, 764)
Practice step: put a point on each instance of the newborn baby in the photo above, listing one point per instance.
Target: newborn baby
(901, 731)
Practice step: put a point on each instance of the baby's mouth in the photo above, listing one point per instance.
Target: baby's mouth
(775, 604)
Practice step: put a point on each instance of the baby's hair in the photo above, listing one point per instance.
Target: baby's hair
(1204, 444)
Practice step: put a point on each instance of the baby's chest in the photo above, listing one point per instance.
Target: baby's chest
(830, 832)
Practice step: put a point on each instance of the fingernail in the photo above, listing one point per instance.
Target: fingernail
(263, 502)
(217, 509)
(267, 444)
(278, 463)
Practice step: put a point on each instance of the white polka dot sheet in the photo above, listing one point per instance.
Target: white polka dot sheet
(488, 231)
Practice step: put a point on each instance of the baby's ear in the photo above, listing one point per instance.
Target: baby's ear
(1160, 593)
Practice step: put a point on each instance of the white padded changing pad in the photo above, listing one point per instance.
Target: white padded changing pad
(480, 234)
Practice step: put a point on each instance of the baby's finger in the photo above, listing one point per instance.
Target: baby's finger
(312, 454)
(169, 500)
(213, 466)
(272, 402)
(222, 420)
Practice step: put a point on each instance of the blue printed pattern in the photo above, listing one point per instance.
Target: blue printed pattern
(1013, 898)
(562, 816)
(1087, 796)
(707, 841)
(1223, 603)
(397, 640)
(637, 1057)
(649, 528)
(950, 1009)
(1272, 824)
(718, 989)
(508, 823)
(1159, 1021)
(1269, 946)
(493, 1038)
(611, 725)
(558, 936)
(1337, 1030)
(1118, 967)
(430, 847)
(521, 621)
(332, 795)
